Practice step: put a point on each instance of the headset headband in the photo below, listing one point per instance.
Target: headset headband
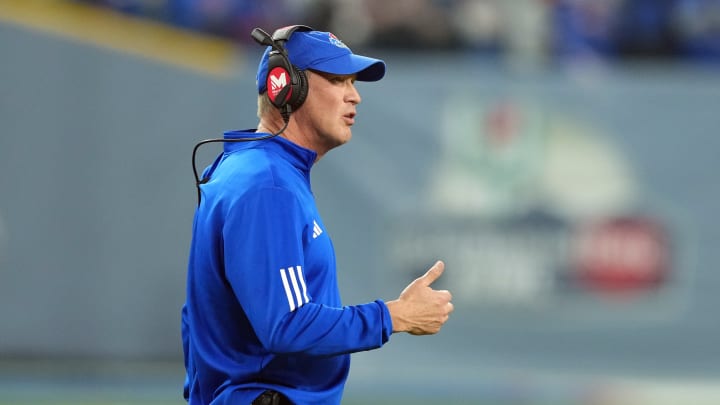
(284, 33)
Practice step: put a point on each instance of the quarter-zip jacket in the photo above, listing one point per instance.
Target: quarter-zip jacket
(263, 308)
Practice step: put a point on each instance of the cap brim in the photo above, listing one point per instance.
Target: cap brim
(367, 69)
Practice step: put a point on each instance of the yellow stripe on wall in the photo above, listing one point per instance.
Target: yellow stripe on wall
(109, 29)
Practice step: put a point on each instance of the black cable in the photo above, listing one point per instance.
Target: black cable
(198, 181)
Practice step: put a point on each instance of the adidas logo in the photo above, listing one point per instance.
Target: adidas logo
(316, 230)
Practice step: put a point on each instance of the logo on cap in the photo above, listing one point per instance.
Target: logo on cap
(335, 41)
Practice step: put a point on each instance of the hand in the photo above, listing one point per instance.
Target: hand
(420, 310)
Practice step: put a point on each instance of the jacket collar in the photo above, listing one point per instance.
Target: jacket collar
(298, 156)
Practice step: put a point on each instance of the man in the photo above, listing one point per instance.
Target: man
(263, 322)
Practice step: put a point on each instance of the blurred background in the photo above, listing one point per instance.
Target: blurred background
(557, 154)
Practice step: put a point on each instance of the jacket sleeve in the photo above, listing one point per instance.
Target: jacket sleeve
(263, 239)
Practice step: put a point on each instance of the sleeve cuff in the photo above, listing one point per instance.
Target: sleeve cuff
(387, 326)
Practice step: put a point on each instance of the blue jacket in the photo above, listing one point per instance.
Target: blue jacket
(263, 308)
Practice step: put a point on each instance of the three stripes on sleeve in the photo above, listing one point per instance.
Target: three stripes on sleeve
(295, 288)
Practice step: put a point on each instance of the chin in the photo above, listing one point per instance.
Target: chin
(335, 139)
(344, 137)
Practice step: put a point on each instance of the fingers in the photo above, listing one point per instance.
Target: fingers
(433, 274)
(447, 295)
(446, 301)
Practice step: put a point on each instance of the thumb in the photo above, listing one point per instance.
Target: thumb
(433, 274)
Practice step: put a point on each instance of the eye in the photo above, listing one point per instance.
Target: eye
(341, 79)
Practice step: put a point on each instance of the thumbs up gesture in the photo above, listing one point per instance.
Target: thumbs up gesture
(420, 310)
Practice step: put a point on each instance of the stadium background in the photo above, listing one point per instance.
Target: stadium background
(558, 155)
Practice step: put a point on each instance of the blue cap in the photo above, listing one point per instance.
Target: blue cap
(324, 52)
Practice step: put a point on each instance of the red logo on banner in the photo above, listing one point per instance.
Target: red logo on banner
(622, 254)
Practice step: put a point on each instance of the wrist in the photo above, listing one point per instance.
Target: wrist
(394, 308)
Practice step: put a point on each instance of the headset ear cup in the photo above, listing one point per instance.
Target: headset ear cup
(278, 80)
(300, 92)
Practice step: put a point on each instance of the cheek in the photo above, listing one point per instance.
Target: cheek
(323, 113)
(324, 109)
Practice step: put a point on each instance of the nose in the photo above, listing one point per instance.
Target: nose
(352, 95)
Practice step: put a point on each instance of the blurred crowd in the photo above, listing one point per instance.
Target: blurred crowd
(533, 29)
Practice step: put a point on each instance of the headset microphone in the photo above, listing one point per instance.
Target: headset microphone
(263, 38)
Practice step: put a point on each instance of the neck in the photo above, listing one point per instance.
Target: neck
(293, 133)
(271, 126)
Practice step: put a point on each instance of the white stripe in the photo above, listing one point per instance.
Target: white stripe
(302, 283)
(295, 286)
(287, 290)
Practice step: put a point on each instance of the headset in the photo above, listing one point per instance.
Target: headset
(285, 96)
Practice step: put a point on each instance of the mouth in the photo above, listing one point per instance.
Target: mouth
(349, 118)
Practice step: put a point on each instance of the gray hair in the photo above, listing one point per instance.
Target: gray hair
(265, 107)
